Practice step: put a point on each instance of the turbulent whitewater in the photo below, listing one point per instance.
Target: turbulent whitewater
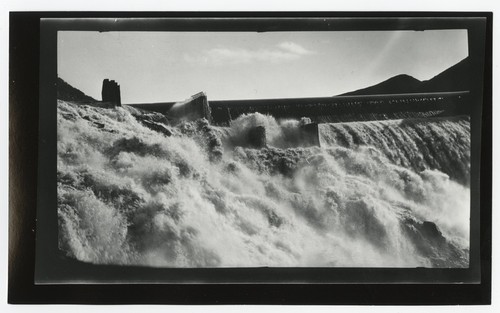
(133, 189)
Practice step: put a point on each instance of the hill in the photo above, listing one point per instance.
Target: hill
(398, 84)
(455, 78)
(67, 92)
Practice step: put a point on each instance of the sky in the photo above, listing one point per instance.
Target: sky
(172, 66)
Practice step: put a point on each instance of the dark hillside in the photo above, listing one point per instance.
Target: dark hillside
(69, 93)
(455, 78)
(398, 84)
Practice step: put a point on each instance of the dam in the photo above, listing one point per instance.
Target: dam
(345, 108)
(322, 110)
(317, 110)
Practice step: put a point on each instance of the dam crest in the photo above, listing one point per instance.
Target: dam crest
(317, 110)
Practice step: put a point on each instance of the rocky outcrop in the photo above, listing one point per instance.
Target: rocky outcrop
(158, 127)
(429, 241)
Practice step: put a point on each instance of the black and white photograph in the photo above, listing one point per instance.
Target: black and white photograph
(274, 149)
(250, 158)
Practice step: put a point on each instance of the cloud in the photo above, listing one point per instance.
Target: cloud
(294, 48)
(283, 52)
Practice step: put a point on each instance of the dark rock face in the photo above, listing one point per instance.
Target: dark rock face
(158, 127)
(431, 232)
(212, 142)
(431, 243)
(96, 124)
(111, 92)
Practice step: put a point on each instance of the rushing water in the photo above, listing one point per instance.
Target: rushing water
(375, 194)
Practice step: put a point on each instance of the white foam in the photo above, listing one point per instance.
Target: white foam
(165, 203)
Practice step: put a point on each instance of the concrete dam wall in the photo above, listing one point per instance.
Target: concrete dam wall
(346, 108)
(317, 110)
